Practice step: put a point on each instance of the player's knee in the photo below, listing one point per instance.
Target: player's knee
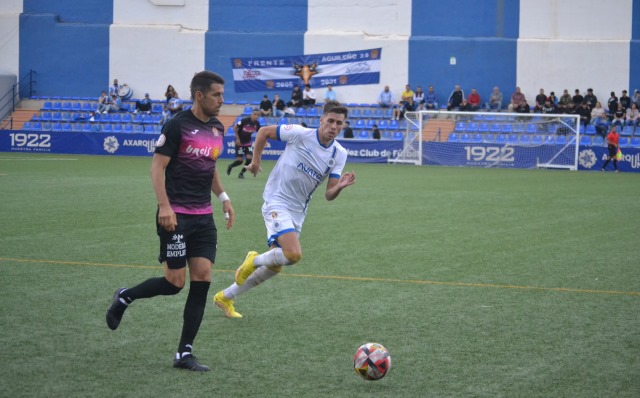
(176, 280)
(293, 257)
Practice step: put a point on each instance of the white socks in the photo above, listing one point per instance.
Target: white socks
(272, 257)
(259, 275)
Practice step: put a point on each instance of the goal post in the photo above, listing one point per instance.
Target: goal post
(491, 139)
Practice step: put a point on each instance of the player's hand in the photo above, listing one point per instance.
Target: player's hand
(229, 214)
(167, 218)
(253, 168)
(347, 179)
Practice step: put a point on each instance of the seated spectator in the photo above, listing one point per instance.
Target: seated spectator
(278, 106)
(385, 98)
(296, 98)
(577, 99)
(103, 99)
(516, 100)
(143, 105)
(266, 106)
(636, 98)
(115, 88)
(430, 99)
(590, 98)
(375, 132)
(596, 112)
(633, 115)
(602, 125)
(407, 106)
(347, 130)
(612, 105)
(169, 93)
(465, 106)
(406, 94)
(166, 114)
(418, 97)
(625, 100)
(584, 112)
(474, 100)
(308, 96)
(553, 98)
(564, 101)
(111, 106)
(495, 100)
(618, 116)
(330, 94)
(455, 99)
(175, 105)
(540, 99)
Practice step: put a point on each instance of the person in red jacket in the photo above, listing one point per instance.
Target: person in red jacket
(474, 100)
(612, 145)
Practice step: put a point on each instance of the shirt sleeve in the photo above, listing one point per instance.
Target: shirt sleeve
(169, 140)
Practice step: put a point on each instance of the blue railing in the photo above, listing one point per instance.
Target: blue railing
(22, 89)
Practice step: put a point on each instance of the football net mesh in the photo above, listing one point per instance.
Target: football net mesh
(489, 139)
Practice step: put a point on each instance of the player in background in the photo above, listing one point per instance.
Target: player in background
(311, 156)
(243, 131)
(184, 173)
(612, 145)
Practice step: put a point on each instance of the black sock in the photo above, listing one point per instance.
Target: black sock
(246, 163)
(615, 164)
(150, 288)
(605, 164)
(193, 313)
(235, 163)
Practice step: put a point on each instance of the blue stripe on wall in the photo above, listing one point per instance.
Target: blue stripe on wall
(73, 11)
(246, 29)
(634, 58)
(485, 50)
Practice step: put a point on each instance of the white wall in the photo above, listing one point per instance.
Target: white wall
(169, 42)
(347, 25)
(574, 44)
(10, 11)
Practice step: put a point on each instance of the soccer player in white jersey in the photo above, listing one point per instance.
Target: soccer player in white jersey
(310, 157)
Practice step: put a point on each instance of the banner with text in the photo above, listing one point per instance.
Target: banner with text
(317, 70)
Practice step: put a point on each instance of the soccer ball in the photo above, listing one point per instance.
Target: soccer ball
(372, 361)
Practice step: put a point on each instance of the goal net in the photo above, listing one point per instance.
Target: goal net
(489, 139)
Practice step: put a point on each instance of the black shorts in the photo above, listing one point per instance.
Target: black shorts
(244, 151)
(613, 151)
(195, 236)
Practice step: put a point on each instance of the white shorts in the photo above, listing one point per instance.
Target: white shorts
(279, 221)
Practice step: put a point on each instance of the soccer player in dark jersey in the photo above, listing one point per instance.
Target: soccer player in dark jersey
(184, 173)
(243, 131)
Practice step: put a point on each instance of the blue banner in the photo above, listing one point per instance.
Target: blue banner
(317, 70)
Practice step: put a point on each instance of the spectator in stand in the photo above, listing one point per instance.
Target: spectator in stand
(602, 125)
(278, 106)
(564, 101)
(407, 106)
(385, 99)
(465, 106)
(115, 88)
(375, 132)
(474, 101)
(266, 106)
(143, 105)
(612, 105)
(549, 107)
(111, 106)
(455, 99)
(516, 100)
(495, 100)
(330, 94)
(430, 99)
(175, 105)
(406, 94)
(347, 131)
(418, 97)
(633, 115)
(585, 113)
(578, 99)
(590, 98)
(103, 99)
(613, 139)
(169, 93)
(553, 98)
(540, 99)
(625, 100)
(596, 112)
(166, 115)
(308, 96)
(618, 116)
(636, 98)
(296, 98)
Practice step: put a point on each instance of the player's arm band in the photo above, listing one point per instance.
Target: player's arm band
(223, 197)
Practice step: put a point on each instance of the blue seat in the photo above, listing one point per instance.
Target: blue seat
(364, 135)
(402, 124)
(387, 113)
(624, 142)
(518, 128)
(45, 117)
(525, 139)
(472, 127)
(585, 140)
(66, 126)
(56, 116)
(367, 113)
(513, 139)
(507, 128)
(86, 127)
(105, 118)
(386, 135)
(76, 107)
(27, 126)
(56, 106)
(590, 130)
(355, 113)
(453, 137)
(106, 128)
(66, 117)
(116, 118)
(128, 128)
(148, 128)
(47, 126)
(476, 138)
(461, 127)
(536, 139)
(359, 124)
(117, 128)
(157, 108)
(465, 137)
(37, 126)
(635, 142)
(301, 112)
(501, 139)
(147, 119)
(314, 123)
(394, 125)
(383, 124)
(550, 139)
(47, 106)
(398, 136)
(597, 140)
(489, 138)
(369, 123)
(561, 139)
(495, 128)
(126, 118)
(86, 107)
(532, 128)
(378, 113)
(627, 131)
(247, 111)
(66, 106)
(137, 128)
(77, 127)
(312, 112)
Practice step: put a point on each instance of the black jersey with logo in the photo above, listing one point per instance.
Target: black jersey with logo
(246, 127)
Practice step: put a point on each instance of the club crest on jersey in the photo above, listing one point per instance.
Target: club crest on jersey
(332, 162)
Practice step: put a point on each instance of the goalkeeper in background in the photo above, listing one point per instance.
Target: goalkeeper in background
(310, 157)
(612, 145)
